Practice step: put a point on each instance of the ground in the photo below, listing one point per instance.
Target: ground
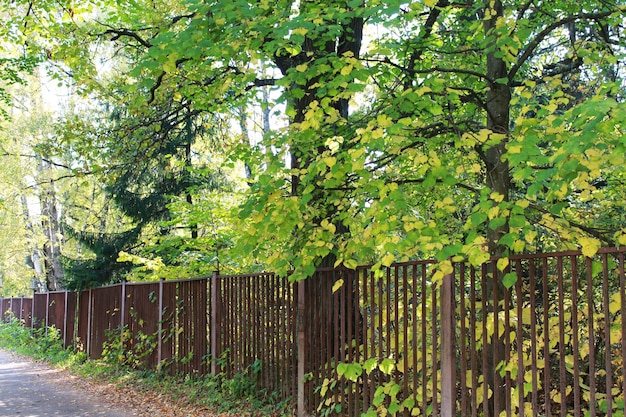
(31, 389)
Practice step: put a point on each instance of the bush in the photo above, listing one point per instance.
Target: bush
(41, 343)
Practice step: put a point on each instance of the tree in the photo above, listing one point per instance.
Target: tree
(454, 130)
(150, 155)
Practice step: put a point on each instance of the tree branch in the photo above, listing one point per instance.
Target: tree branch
(430, 70)
(534, 44)
(119, 33)
(589, 230)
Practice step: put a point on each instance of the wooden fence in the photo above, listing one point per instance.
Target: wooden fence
(405, 338)
(162, 323)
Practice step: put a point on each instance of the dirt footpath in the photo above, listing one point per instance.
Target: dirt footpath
(28, 389)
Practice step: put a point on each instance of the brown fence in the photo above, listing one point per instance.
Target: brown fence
(551, 344)
(162, 323)
(254, 322)
(408, 338)
(18, 307)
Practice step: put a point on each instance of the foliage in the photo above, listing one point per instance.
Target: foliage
(351, 190)
(506, 115)
(244, 383)
(125, 350)
(563, 339)
(41, 343)
(26, 186)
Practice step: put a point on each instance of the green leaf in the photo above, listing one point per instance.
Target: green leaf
(350, 371)
(497, 222)
(370, 365)
(517, 221)
(387, 366)
(393, 408)
(509, 280)
(478, 218)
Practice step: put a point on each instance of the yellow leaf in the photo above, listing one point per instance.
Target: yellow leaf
(423, 90)
(589, 246)
(346, 70)
(350, 263)
(300, 31)
(337, 285)
(518, 245)
(301, 68)
(420, 159)
(388, 259)
(170, 65)
(616, 303)
(330, 161)
(522, 203)
(497, 197)
(502, 263)
(434, 159)
(356, 153)
(530, 236)
(493, 212)
(377, 133)
(430, 3)
(476, 168)
(383, 120)
(446, 267)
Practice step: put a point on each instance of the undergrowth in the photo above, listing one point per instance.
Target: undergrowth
(235, 396)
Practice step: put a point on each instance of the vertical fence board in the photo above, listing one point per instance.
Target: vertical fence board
(141, 318)
(106, 317)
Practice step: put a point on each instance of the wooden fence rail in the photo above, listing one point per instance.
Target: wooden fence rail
(540, 335)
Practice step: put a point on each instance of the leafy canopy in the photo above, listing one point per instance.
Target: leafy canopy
(402, 129)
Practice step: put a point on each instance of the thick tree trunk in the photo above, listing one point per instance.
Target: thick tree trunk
(498, 180)
(349, 41)
(498, 118)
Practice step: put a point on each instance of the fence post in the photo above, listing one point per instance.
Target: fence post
(65, 318)
(89, 323)
(32, 311)
(448, 356)
(123, 306)
(301, 346)
(47, 312)
(160, 324)
(216, 322)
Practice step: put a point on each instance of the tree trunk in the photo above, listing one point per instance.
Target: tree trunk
(52, 232)
(348, 41)
(497, 180)
(33, 259)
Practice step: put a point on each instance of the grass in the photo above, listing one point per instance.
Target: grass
(214, 393)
